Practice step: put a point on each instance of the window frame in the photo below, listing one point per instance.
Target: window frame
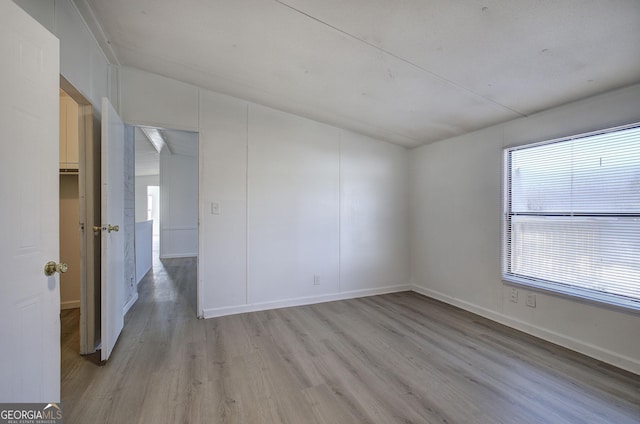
(562, 289)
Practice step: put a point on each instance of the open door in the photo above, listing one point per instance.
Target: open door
(29, 299)
(112, 264)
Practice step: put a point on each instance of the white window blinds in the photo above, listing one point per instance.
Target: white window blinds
(572, 216)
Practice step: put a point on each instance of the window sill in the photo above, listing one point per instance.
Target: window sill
(606, 300)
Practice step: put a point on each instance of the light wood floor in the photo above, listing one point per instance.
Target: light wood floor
(399, 358)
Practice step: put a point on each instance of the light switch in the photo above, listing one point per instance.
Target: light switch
(215, 208)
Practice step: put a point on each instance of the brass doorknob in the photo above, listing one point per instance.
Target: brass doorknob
(108, 228)
(51, 268)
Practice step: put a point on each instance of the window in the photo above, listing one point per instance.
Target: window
(572, 216)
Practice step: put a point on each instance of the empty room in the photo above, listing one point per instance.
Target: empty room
(387, 211)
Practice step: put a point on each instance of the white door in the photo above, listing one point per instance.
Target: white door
(29, 120)
(112, 291)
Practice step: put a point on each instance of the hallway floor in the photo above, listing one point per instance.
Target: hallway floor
(158, 324)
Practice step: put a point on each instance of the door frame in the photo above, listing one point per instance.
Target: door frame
(199, 286)
(90, 202)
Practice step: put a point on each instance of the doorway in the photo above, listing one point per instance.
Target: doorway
(153, 215)
(70, 234)
(153, 208)
(166, 187)
(79, 213)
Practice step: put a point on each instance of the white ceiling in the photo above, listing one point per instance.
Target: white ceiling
(407, 71)
(147, 159)
(181, 142)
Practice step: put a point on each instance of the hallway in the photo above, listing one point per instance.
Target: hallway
(157, 335)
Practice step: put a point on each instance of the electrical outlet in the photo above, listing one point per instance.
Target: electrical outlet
(514, 295)
(316, 280)
(531, 300)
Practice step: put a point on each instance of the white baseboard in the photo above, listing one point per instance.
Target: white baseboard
(143, 274)
(604, 355)
(179, 255)
(299, 301)
(130, 303)
(69, 304)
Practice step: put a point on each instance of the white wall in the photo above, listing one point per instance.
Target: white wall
(144, 248)
(297, 198)
(156, 101)
(374, 207)
(456, 230)
(223, 179)
(82, 62)
(178, 205)
(129, 224)
(294, 205)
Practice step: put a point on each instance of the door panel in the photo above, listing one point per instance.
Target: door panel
(112, 289)
(29, 190)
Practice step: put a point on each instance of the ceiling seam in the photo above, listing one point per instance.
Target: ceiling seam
(431, 73)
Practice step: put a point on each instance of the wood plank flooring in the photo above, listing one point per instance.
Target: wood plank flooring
(398, 358)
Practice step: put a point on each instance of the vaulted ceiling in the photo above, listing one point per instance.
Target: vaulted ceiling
(406, 71)
(176, 142)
